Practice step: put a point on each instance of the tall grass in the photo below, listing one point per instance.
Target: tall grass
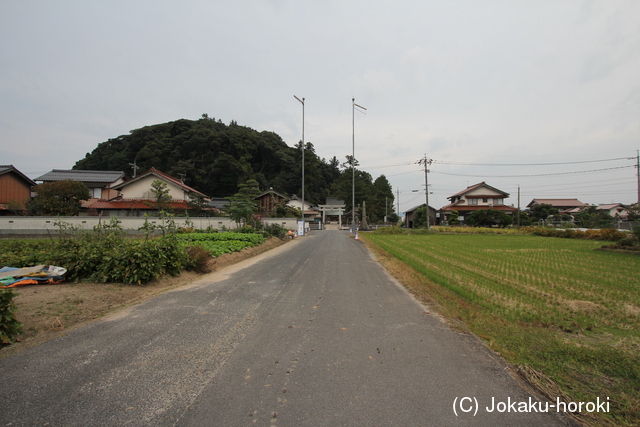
(552, 306)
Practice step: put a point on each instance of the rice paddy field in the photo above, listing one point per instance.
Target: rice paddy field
(565, 314)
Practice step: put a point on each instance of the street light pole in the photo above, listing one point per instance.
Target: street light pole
(303, 222)
(353, 162)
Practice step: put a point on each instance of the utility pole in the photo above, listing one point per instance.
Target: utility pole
(426, 162)
(386, 209)
(135, 168)
(518, 205)
(638, 173)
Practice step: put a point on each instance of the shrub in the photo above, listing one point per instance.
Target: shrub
(275, 230)
(9, 326)
(627, 241)
(608, 234)
(199, 259)
(101, 256)
(389, 230)
(636, 231)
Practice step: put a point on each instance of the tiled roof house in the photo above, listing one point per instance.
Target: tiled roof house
(476, 197)
(136, 195)
(100, 183)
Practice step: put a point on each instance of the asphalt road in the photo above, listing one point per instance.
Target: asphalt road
(313, 333)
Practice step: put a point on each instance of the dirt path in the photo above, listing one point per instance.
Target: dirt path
(48, 311)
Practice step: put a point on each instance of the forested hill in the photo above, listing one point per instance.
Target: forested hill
(214, 158)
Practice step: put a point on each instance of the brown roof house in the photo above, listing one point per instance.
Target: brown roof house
(563, 205)
(616, 210)
(474, 198)
(15, 190)
(136, 196)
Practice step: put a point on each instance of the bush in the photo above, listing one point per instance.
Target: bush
(608, 234)
(9, 326)
(627, 242)
(275, 230)
(388, 230)
(199, 260)
(101, 256)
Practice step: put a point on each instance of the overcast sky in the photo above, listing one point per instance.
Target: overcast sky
(492, 91)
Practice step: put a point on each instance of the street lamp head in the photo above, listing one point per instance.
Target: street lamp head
(301, 100)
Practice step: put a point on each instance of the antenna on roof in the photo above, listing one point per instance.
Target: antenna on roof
(135, 168)
(182, 177)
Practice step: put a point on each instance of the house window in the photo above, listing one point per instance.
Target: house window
(473, 201)
(497, 202)
(485, 200)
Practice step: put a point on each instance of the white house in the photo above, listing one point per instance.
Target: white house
(309, 212)
(476, 197)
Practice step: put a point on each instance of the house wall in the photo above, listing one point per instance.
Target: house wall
(483, 196)
(298, 204)
(141, 189)
(13, 188)
(108, 194)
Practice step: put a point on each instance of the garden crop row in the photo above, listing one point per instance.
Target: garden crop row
(253, 238)
(217, 244)
(554, 305)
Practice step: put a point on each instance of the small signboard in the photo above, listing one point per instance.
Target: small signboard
(300, 228)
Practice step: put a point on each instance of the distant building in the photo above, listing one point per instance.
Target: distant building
(410, 216)
(135, 196)
(269, 202)
(476, 197)
(100, 183)
(616, 210)
(310, 214)
(563, 205)
(15, 189)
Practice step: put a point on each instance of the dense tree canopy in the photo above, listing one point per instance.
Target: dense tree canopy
(58, 198)
(542, 211)
(489, 218)
(216, 159)
(591, 217)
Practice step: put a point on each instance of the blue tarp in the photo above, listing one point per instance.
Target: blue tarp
(12, 277)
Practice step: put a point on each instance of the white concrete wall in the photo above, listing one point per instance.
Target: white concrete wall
(21, 225)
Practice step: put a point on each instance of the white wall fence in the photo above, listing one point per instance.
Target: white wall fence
(21, 226)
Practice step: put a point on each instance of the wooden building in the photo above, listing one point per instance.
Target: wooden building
(15, 189)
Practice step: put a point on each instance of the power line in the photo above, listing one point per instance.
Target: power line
(389, 166)
(534, 164)
(541, 174)
(442, 162)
